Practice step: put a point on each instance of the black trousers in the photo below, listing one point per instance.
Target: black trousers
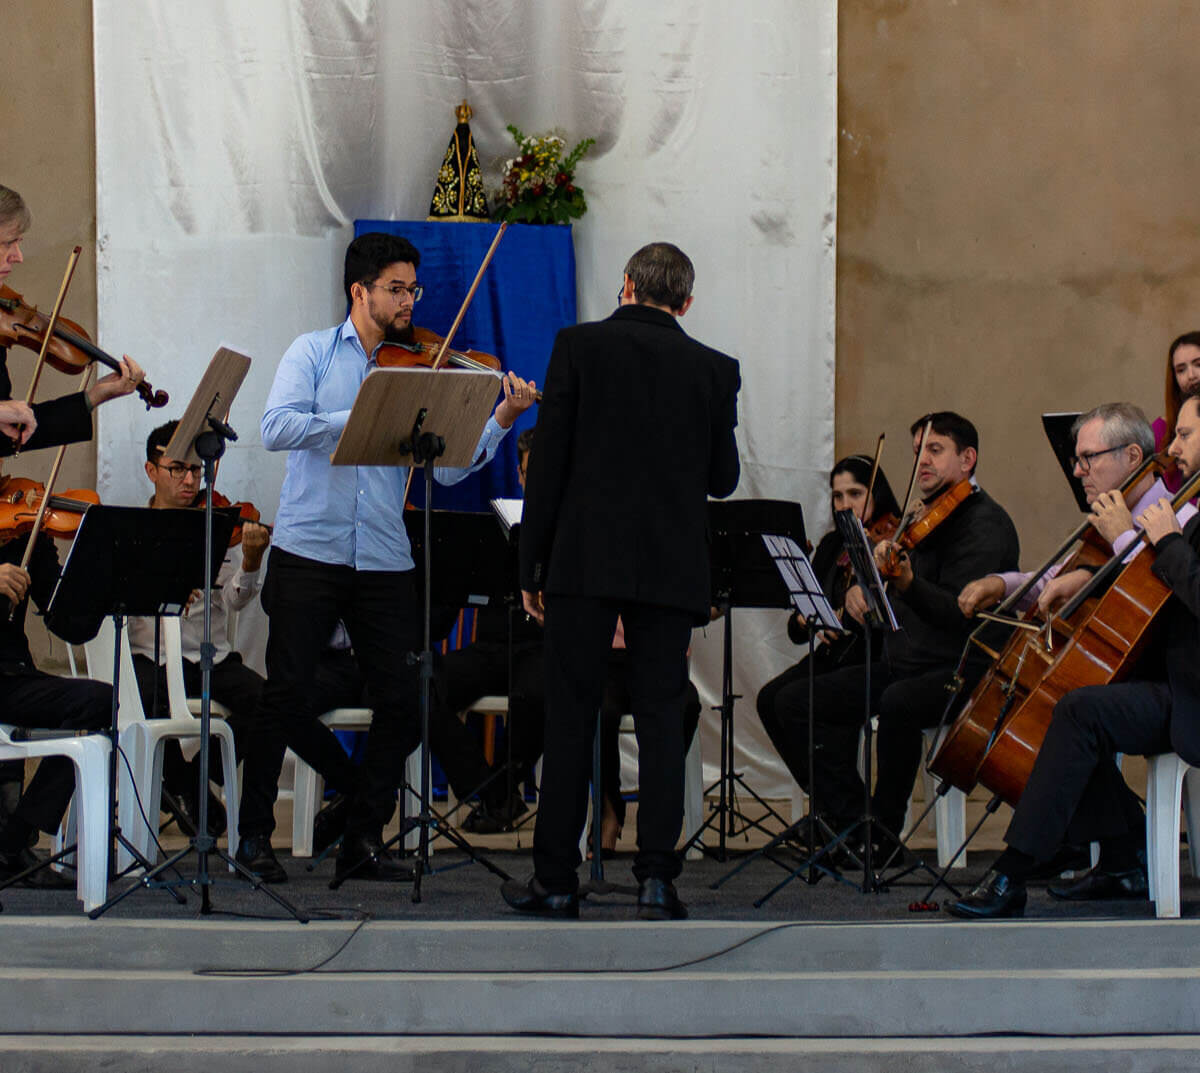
(1076, 792)
(304, 599)
(33, 699)
(578, 641)
(617, 703)
(480, 670)
(905, 705)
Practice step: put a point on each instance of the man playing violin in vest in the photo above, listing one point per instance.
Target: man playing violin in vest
(29, 697)
(1075, 791)
(341, 552)
(1111, 443)
(908, 681)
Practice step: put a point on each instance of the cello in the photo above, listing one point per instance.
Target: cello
(969, 737)
(1100, 645)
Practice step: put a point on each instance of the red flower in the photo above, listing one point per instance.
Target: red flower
(539, 189)
(561, 178)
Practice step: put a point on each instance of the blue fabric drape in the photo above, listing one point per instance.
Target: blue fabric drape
(526, 295)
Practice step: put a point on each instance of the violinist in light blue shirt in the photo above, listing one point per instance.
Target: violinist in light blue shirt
(341, 552)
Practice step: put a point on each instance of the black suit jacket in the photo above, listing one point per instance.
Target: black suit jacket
(634, 432)
(1177, 563)
(59, 421)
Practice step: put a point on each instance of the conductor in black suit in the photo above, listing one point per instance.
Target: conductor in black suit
(636, 430)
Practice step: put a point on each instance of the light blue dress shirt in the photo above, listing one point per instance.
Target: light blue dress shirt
(343, 515)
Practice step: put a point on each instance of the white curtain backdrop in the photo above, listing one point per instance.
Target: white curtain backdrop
(238, 141)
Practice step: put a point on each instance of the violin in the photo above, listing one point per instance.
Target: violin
(422, 351)
(918, 530)
(247, 512)
(71, 349)
(20, 499)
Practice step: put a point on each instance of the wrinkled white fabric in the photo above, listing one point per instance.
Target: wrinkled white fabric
(238, 142)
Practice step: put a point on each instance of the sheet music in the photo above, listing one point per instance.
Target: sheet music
(808, 598)
(508, 511)
(863, 561)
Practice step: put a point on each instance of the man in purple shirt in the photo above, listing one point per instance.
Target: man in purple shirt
(1111, 442)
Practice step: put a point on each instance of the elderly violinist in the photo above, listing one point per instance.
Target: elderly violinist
(1075, 791)
(908, 679)
(29, 697)
(1111, 443)
(341, 552)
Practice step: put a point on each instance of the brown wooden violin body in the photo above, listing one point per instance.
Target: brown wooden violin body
(247, 512)
(423, 350)
(70, 350)
(20, 499)
(920, 528)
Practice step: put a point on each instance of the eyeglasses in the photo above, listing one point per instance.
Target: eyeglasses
(1084, 461)
(414, 292)
(178, 470)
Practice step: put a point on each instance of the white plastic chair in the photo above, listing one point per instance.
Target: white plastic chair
(89, 753)
(1167, 776)
(142, 740)
(309, 787)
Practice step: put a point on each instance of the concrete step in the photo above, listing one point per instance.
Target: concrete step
(702, 979)
(389, 1054)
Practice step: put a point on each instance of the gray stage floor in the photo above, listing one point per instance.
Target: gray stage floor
(462, 890)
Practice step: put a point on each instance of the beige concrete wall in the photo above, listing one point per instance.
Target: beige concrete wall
(1017, 223)
(50, 158)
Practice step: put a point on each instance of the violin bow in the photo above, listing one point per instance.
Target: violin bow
(72, 261)
(912, 480)
(462, 312)
(874, 474)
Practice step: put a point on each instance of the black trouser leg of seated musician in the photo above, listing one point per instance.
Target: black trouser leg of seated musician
(304, 599)
(33, 699)
(839, 701)
(908, 706)
(1076, 793)
(578, 640)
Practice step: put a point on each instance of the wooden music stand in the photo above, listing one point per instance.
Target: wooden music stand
(420, 417)
(213, 397)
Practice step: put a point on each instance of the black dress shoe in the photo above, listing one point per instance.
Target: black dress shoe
(330, 823)
(996, 897)
(531, 897)
(184, 809)
(1074, 859)
(657, 900)
(257, 855)
(492, 819)
(13, 864)
(1098, 885)
(363, 857)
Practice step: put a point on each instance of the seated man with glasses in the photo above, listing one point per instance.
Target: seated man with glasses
(234, 685)
(1111, 442)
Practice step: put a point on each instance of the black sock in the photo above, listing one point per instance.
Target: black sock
(1014, 864)
(15, 835)
(1120, 854)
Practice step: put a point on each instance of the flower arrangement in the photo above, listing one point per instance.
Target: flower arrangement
(538, 184)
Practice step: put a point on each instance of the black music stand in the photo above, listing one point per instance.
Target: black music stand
(743, 575)
(127, 561)
(416, 417)
(862, 562)
(809, 601)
